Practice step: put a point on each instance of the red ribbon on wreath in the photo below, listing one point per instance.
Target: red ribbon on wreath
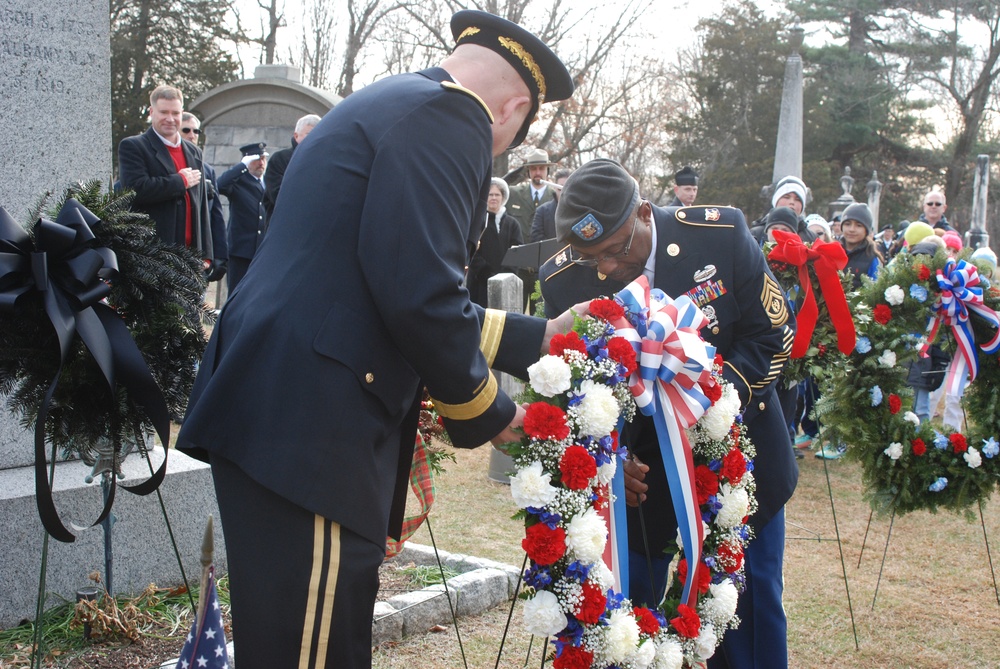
(827, 259)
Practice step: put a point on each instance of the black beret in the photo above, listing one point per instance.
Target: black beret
(596, 200)
(686, 177)
(255, 149)
(887, 226)
(782, 216)
(545, 75)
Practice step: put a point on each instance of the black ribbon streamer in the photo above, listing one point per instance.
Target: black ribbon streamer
(72, 273)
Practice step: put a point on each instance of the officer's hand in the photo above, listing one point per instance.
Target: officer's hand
(246, 160)
(563, 323)
(216, 269)
(635, 489)
(512, 432)
(191, 176)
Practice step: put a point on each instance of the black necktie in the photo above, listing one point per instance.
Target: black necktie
(536, 198)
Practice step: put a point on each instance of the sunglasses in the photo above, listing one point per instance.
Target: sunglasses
(196, 131)
(933, 204)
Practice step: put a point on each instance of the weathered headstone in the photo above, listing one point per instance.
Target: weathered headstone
(55, 103)
(504, 291)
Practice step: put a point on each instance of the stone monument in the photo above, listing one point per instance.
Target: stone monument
(788, 150)
(55, 80)
(977, 236)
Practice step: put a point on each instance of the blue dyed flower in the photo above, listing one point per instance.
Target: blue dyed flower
(938, 485)
(577, 571)
(863, 345)
(918, 292)
(990, 447)
(940, 441)
(876, 394)
(538, 577)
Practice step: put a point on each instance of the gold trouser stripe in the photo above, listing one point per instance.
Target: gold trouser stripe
(316, 600)
(485, 396)
(489, 340)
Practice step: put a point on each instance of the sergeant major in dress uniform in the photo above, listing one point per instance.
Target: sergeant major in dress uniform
(707, 253)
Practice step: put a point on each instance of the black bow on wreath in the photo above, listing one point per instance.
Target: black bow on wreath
(71, 273)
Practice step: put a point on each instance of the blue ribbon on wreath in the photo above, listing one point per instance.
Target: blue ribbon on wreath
(71, 272)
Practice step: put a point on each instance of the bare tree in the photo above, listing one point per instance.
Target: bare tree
(275, 20)
(317, 43)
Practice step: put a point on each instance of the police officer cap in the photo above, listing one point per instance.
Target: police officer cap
(686, 177)
(596, 200)
(859, 212)
(255, 149)
(545, 75)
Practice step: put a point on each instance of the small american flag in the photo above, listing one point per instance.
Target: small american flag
(205, 646)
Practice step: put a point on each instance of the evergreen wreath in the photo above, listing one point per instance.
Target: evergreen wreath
(158, 293)
(908, 465)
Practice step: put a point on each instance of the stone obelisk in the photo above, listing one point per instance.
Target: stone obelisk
(788, 150)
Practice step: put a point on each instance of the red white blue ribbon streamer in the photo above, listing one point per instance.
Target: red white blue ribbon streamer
(672, 359)
(961, 293)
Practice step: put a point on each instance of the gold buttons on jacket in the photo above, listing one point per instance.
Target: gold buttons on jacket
(761, 406)
(715, 330)
(369, 378)
(673, 250)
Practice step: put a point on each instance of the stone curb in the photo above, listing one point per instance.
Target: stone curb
(481, 585)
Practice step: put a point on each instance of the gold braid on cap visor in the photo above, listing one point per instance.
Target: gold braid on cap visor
(468, 32)
(528, 62)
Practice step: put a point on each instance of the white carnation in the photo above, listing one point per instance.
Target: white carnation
(542, 614)
(720, 416)
(606, 472)
(531, 487)
(895, 450)
(894, 295)
(622, 636)
(669, 655)
(973, 458)
(643, 655)
(887, 359)
(735, 506)
(911, 417)
(597, 413)
(706, 642)
(720, 605)
(586, 536)
(550, 376)
(602, 576)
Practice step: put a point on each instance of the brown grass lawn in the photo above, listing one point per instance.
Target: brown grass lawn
(936, 607)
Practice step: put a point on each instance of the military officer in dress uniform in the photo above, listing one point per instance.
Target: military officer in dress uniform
(707, 253)
(569, 283)
(244, 186)
(685, 187)
(307, 398)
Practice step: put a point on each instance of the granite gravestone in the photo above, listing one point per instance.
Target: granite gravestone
(55, 102)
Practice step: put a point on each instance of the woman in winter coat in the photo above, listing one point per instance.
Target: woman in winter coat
(502, 232)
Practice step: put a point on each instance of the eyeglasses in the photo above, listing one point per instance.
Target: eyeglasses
(933, 204)
(196, 131)
(594, 262)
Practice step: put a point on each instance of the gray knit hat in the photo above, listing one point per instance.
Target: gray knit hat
(859, 212)
(597, 200)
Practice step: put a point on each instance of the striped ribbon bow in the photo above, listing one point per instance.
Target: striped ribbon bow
(961, 293)
(672, 360)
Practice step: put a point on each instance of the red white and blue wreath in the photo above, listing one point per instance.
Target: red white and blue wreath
(571, 491)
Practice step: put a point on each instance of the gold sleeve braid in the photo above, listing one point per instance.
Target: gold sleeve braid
(483, 399)
(779, 360)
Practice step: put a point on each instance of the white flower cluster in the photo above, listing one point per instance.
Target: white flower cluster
(894, 295)
(719, 417)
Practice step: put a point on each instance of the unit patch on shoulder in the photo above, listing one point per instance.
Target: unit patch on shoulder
(712, 214)
(773, 301)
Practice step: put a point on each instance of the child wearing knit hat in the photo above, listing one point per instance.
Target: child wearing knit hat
(863, 257)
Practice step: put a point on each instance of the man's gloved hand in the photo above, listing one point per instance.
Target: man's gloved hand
(246, 160)
(216, 269)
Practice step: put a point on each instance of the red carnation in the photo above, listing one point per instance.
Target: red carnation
(570, 341)
(730, 556)
(958, 443)
(545, 421)
(895, 404)
(706, 483)
(621, 351)
(573, 657)
(614, 441)
(648, 624)
(687, 624)
(544, 545)
(592, 604)
(577, 467)
(718, 360)
(702, 579)
(923, 272)
(607, 310)
(919, 447)
(734, 466)
(712, 391)
(883, 314)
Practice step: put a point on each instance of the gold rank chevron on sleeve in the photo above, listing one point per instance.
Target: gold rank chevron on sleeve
(491, 334)
(780, 359)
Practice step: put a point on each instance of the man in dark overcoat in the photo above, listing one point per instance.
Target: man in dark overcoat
(243, 186)
(307, 399)
(708, 253)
